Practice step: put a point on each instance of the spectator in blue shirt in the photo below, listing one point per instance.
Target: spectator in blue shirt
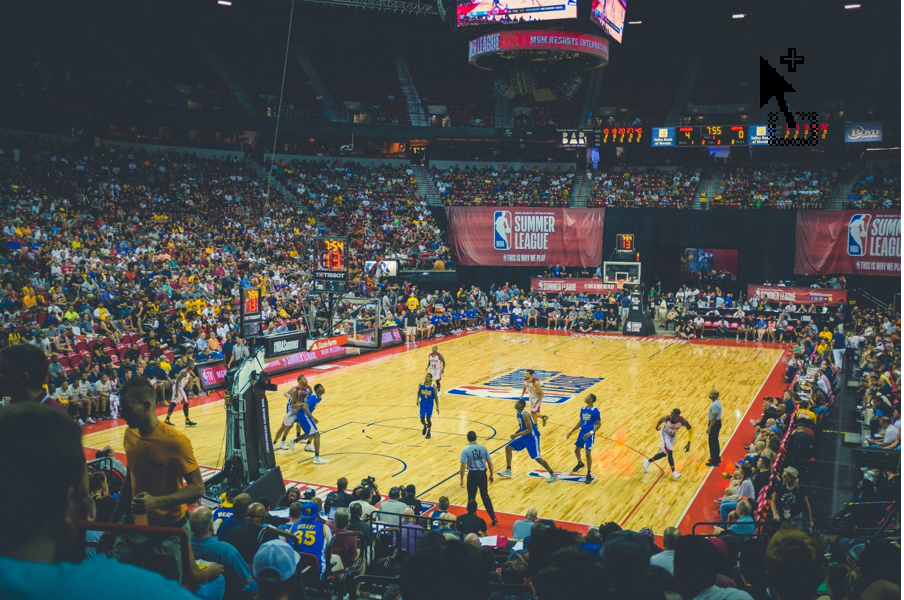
(207, 547)
(38, 535)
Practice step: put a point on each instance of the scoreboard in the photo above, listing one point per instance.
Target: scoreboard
(620, 135)
(711, 135)
(331, 264)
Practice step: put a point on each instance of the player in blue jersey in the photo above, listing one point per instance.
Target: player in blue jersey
(295, 398)
(309, 425)
(312, 535)
(588, 423)
(427, 398)
(526, 438)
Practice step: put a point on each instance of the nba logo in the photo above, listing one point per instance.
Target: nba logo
(857, 232)
(502, 230)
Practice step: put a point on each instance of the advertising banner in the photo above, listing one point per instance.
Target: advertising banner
(557, 285)
(863, 132)
(213, 373)
(277, 345)
(850, 242)
(487, 236)
(799, 295)
(538, 39)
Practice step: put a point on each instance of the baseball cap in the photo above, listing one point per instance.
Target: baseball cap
(276, 555)
(720, 546)
(395, 492)
(227, 497)
(853, 546)
(309, 511)
(410, 490)
(309, 493)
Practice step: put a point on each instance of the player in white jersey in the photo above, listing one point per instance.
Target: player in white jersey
(534, 393)
(436, 364)
(180, 394)
(296, 398)
(668, 427)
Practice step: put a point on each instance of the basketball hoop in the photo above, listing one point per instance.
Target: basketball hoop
(621, 284)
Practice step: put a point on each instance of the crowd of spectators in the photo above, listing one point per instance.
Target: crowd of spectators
(876, 189)
(650, 188)
(779, 186)
(378, 208)
(491, 186)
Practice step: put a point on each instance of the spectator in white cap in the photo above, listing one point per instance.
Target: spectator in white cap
(274, 569)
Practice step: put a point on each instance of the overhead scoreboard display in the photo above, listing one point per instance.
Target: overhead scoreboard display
(737, 135)
(516, 12)
(331, 264)
(621, 135)
(711, 135)
(250, 314)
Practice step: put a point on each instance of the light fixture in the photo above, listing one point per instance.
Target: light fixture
(224, 2)
(851, 6)
(634, 22)
(738, 16)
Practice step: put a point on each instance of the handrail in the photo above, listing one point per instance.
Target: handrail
(758, 525)
(123, 528)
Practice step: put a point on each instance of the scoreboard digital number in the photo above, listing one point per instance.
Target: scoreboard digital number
(624, 242)
(711, 135)
(250, 314)
(621, 135)
(331, 264)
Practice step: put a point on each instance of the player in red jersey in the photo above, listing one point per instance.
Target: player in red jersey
(534, 392)
(668, 427)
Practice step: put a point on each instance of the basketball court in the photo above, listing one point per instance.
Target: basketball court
(370, 423)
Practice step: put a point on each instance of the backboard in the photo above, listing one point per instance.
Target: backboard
(621, 272)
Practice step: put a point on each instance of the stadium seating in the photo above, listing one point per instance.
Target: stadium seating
(471, 186)
(644, 189)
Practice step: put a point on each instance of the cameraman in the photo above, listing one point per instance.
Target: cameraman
(368, 483)
(340, 498)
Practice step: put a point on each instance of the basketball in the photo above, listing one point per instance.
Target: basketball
(439, 265)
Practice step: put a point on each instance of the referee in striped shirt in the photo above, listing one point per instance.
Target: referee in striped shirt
(476, 460)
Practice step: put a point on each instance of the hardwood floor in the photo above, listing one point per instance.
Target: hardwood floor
(370, 422)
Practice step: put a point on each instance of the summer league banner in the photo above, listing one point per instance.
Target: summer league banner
(558, 285)
(488, 236)
(798, 295)
(848, 242)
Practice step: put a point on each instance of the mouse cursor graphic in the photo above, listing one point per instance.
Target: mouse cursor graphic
(773, 84)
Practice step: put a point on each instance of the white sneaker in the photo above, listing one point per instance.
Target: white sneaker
(320, 461)
(552, 478)
(646, 465)
(80, 422)
(675, 475)
(291, 446)
(309, 448)
(91, 421)
(507, 474)
(283, 445)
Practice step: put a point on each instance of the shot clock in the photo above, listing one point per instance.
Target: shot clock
(331, 264)
(250, 314)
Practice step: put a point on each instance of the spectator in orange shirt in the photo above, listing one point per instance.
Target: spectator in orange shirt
(163, 476)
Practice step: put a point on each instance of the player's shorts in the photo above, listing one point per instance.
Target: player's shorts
(307, 425)
(426, 409)
(529, 443)
(436, 375)
(585, 444)
(668, 443)
(411, 331)
(179, 396)
(536, 405)
(290, 418)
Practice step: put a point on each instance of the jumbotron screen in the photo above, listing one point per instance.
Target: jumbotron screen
(610, 15)
(493, 12)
